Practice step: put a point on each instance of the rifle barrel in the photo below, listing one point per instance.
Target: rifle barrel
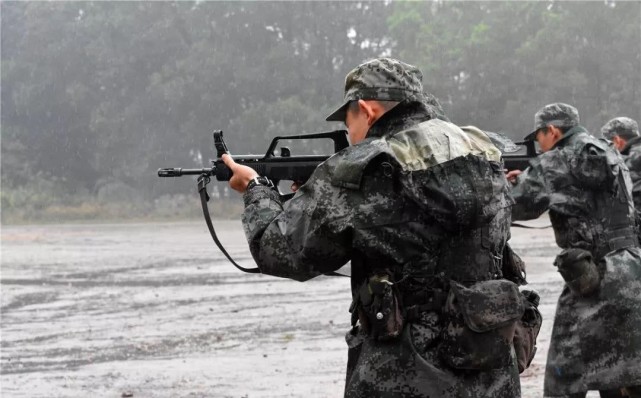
(177, 172)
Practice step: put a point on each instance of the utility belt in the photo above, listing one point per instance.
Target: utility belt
(617, 239)
(417, 302)
(578, 266)
(481, 322)
(383, 307)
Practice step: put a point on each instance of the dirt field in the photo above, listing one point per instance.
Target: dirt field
(154, 310)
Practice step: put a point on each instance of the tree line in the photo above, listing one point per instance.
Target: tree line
(97, 95)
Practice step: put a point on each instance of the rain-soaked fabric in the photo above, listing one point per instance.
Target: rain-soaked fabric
(383, 79)
(596, 340)
(624, 127)
(632, 155)
(418, 200)
(556, 114)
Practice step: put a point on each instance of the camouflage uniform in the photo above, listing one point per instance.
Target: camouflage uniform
(582, 181)
(419, 199)
(628, 129)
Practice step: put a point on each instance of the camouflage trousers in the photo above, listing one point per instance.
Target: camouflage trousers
(628, 392)
(409, 367)
(596, 340)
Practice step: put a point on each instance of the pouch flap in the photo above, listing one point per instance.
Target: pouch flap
(488, 305)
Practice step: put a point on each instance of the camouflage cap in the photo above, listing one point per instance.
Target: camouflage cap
(622, 126)
(556, 114)
(383, 79)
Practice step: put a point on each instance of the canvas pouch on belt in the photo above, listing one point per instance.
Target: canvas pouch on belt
(378, 308)
(481, 323)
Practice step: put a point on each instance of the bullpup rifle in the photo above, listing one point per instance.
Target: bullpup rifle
(279, 167)
(276, 167)
(513, 161)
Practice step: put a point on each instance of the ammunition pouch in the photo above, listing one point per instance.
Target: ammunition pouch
(579, 271)
(527, 330)
(513, 267)
(481, 322)
(378, 309)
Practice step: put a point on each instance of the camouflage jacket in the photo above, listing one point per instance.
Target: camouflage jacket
(417, 198)
(596, 340)
(632, 156)
(586, 187)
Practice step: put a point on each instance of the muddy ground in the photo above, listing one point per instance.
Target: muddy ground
(154, 310)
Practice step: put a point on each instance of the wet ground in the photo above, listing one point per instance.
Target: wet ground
(154, 310)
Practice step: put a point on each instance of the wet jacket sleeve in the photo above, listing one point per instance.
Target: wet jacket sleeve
(307, 236)
(634, 165)
(530, 194)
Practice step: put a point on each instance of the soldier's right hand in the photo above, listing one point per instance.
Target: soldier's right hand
(512, 176)
(241, 174)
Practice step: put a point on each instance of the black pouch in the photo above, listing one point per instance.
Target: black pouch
(527, 330)
(513, 266)
(379, 309)
(481, 324)
(579, 271)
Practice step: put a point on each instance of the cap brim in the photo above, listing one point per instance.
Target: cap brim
(531, 136)
(339, 114)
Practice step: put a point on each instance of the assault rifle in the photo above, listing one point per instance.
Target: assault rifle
(511, 152)
(520, 161)
(277, 168)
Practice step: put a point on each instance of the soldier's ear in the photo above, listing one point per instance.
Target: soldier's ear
(373, 109)
(556, 132)
(368, 110)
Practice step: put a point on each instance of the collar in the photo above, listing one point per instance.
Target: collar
(568, 136)
(631, 142)
(406, 114)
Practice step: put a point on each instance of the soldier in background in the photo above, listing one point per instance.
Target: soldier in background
(582, 181)
(422, 210)
(624, 134)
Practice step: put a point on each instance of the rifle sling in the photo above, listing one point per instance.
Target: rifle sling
(204, 198)
(515, 224)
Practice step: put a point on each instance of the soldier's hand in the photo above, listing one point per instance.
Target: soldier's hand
(241, 174)
(296, 185)
(513, 175)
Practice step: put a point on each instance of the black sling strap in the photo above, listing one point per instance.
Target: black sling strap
(203, 180)
(515, 224)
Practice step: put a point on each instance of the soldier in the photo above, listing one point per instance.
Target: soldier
(582, 181)
(422, 210)
(624, 134)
